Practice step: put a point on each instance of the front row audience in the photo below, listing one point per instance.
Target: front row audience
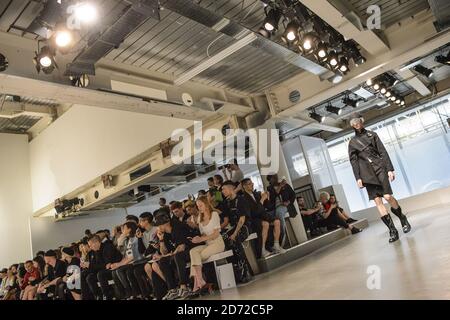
(164, 255)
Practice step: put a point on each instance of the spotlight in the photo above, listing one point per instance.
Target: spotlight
(322, 51)
(376, 86)
(63, 38)
(343, 64)
(402, 103)
(359, 60)
(271, 22)
(393, 98)
(333, 58)
(443, 60)
(388, 94)
(86, 12)
(333, 109)
(315, 116)
(291, 32)
(262, 31)
(423, 71)
(3, 63)
(369, 82)
(45, 60)
(336, 78)
(383, 90)
(351, 102)
(308, 42)
(398, 101)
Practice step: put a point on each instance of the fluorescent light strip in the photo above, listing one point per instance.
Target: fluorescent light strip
(215, 59)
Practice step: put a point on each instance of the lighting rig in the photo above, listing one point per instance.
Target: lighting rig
(384, 86)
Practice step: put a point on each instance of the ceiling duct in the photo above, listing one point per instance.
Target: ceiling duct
(101, 44)
(210, 19)
(50, 14)
(441, 10)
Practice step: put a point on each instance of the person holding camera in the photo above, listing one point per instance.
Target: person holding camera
(232, 172)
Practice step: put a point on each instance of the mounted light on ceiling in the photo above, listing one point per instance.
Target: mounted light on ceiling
(423, 71)
(351, 102)
(443, 59)
(388, 94)
(45, 60)
(369, 82)
(333, 59)
(63, 37)
(86, 12)
(291, 33)
(3, 63)
(308, 42)
(332, 109)
(343, 65)
(383, 90)
(317, 117)
(322, 51)
(272, 20)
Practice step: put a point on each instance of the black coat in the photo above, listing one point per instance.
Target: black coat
(286, 194)
(108, 253)
(367, 152)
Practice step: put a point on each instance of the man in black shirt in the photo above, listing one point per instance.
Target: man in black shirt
(261, 219)
(310, 217)
(174, 257)
(239, 214)
(56, 270)
(178, 212)
(103, 255)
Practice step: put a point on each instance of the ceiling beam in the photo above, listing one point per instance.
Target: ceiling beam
(414, 81)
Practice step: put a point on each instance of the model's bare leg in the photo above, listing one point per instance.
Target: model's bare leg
(380, 206)
(397, 210)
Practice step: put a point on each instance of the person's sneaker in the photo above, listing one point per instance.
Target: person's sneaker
(356, 230)
(351, 220)
(278, 249)
(183, 294)
(265, 253)
(171, 295)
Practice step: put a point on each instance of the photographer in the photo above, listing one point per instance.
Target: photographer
(232, 172)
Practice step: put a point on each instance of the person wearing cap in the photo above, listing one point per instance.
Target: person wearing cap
(73, 274)
(56, 270)
(174, 255)
(374, 171)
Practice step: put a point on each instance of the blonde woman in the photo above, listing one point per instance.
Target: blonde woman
(209, 225)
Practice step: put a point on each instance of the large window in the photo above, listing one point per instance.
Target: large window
(418, 142)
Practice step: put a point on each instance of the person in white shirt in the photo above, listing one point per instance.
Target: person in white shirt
(209, 225)
(233, 172)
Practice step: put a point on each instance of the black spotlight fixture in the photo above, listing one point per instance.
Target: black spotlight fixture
(317, 117)
(423, 71)
(45, 60)
(322, 51)
(332, 109)
(351, 102)
(308, 43)
(333, 59)
(343, 65)
(3, 63)
(272, 20)
(291, 35)
(444, 59)
(262, 31)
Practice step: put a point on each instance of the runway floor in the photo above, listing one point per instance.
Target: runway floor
(415, 267)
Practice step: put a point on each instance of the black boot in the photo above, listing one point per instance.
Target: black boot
(393, 233)
(405, 224)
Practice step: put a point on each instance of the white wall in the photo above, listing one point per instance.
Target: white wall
(48, 234)
(15, 199)
(85, 143)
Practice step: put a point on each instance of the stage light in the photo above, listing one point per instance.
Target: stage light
(262, 31)
(443, 60)
(333, 58)
(45, 60)
(3, 63)
(376, 86)
(291, 32)
(86, 12)
(308, 42)
(351, 102)
(333, 109)
(398, 101)
(393, 98)
(402, 103)
(369, 82)
(336, 78)
(383, 90)
(388, 94)
(272, 20)
(359, 60)
(63, 38)
(343, 64)
(423, 71)
(322, 51)
(317, 117)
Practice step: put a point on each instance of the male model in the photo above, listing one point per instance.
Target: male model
(373, 170)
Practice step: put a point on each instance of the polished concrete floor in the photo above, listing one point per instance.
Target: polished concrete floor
(415, 267)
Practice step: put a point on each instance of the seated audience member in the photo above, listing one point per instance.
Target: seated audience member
(201, 193)
(331, 217)
(218, 182)
(174, 249)
(221, 209)
(40, 254)
(192, 212)
(178, 212)
(163, 203)
(147, 240)
(9, 287)
(73, 274)
(104, 254)
(56, 270)
(87, 234)
(281, 199)
(209, 225)
(84, 252)
(261, 219)
(132, 218)
(123, 271)
(3, 282)
(117, 232)
(30, 280)
(310, 217)
(239, 213)
(341, 211)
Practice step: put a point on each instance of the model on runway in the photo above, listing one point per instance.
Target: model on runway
(374, 171)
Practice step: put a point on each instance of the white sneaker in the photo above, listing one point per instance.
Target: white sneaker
(265, 253)
(278, 249)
